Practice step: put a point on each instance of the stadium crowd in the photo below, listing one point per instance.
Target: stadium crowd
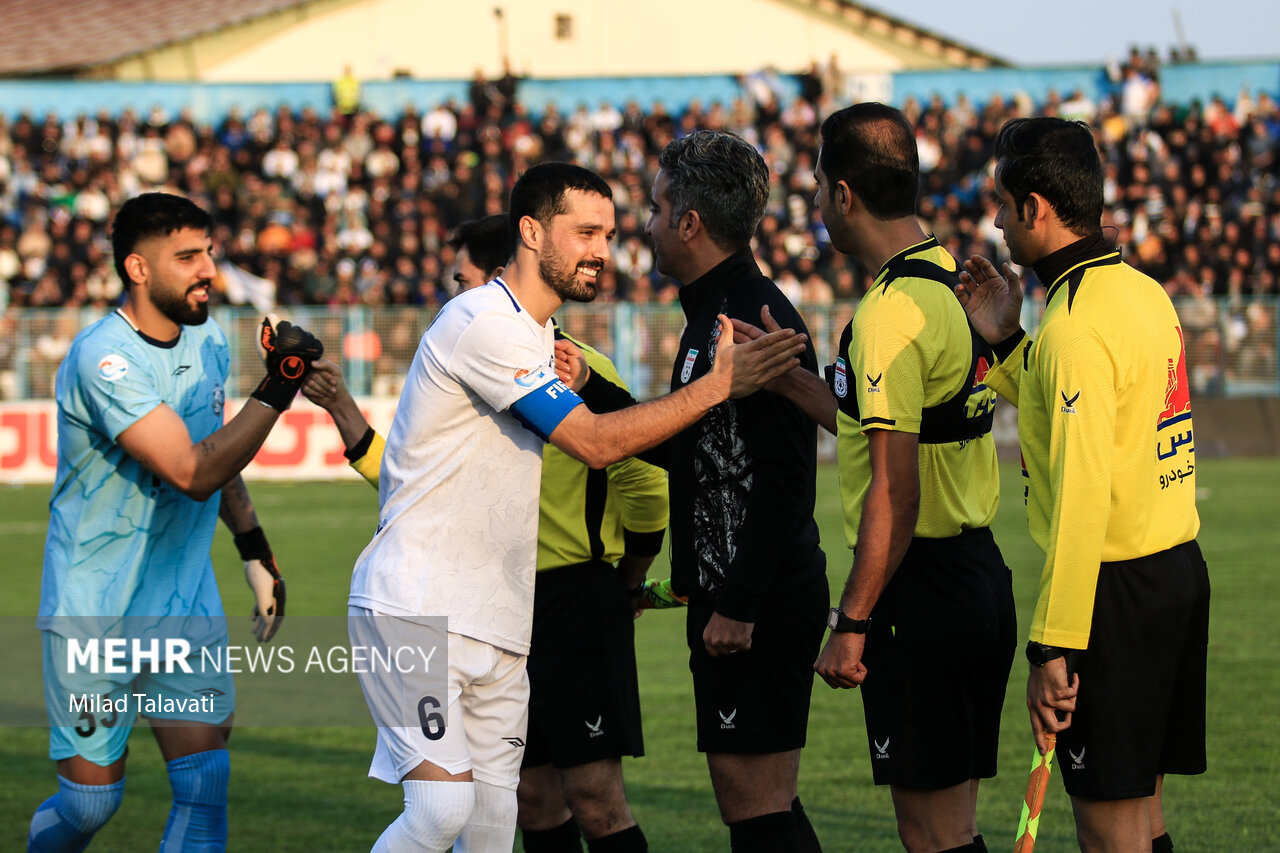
(356, 209)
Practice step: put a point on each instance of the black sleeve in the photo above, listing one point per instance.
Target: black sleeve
(643, 544)
(361, 447)
(1005, 348)
(602, 397)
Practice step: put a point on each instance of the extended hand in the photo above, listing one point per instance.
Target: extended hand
(840, 663)
(571, 365)
(992, 301)
(1051, 699)
(744, 332)
(323, 385)
(725, 636)
(288, 351)
(754, 364)
(268, 590)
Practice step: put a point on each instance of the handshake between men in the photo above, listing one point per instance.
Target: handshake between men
(289, 352)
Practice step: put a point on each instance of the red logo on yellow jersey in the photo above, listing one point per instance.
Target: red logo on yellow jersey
(1177, 392)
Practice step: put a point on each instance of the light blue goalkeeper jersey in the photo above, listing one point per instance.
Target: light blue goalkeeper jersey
(127, 555)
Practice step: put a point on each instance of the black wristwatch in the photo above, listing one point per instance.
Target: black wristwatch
(842, 624)
(1039, 654)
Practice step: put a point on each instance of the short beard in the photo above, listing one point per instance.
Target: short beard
(565, 284)
(176, 309)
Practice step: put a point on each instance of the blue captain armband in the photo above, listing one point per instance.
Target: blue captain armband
(542, 409)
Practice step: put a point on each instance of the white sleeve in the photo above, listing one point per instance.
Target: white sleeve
(501, 359)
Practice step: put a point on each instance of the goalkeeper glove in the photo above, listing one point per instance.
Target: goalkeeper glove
(289, 351)
(264, 579)
(657, 595)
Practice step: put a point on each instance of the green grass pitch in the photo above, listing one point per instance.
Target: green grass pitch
(305, 789)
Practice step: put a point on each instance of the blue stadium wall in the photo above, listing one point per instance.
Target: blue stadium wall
(209, 102)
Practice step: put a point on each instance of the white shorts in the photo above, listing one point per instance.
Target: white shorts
(481, 724)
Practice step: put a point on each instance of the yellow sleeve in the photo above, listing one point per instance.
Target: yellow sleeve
(887, 360)
(1080, 393)
(1006, 376)
(641, 486)
(370, 463)
(643, 490)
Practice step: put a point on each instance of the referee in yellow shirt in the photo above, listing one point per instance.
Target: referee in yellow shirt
(1120, 632)
(926, 623)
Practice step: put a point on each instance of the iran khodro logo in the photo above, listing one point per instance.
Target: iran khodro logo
(980, 373)
(113, 368)
(1177, 391)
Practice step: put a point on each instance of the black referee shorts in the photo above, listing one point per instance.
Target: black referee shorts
(1141, 707)
(938, 656)
(757, 702)
(584, 701)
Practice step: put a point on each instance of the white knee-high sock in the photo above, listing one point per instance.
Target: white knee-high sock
(434, 813)
(492, 827)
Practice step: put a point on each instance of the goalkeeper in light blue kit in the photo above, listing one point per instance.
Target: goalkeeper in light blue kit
(145, 467)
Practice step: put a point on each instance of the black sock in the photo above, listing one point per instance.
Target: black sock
(561, 839)
(768, 833)
(629, 840)
(807, 838)
(1162, 844)
(975, 846)
(979, 844)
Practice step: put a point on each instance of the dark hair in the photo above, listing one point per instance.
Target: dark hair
(540, 193)
(152, 215)
(1057, 159)
(487, 240)
(872, 148)
(722, 177)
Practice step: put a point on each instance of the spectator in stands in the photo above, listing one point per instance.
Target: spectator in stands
(346, 93)
(386, 186)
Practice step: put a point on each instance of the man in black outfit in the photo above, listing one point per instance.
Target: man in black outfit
(744, 543)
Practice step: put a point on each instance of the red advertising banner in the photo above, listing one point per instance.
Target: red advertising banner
(304, 445)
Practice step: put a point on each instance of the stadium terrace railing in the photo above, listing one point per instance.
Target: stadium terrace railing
(1231, 343)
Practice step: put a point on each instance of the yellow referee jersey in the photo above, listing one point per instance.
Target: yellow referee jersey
(1104, 420)
(910, 350)
(582, 512)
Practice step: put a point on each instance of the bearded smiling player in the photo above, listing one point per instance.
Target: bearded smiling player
(142, 457)
(458, 495)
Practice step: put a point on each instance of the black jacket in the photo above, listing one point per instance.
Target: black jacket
(743, 477)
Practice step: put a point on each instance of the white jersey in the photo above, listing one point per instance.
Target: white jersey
(457, 530)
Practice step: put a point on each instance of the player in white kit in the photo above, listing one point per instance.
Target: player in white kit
(458, 492)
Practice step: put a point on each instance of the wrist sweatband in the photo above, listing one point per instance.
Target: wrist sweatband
(252, 545)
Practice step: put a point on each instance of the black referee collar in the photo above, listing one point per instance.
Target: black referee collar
(712, 283)
(931, 242)
(1070, 262)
